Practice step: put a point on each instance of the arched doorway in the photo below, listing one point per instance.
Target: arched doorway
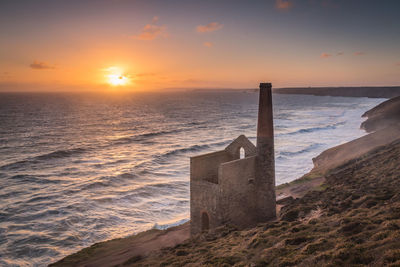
(205, 222)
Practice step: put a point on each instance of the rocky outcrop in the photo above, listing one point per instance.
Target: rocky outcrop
(384, 115)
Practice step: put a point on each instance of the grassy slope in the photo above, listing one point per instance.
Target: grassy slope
(354, 220)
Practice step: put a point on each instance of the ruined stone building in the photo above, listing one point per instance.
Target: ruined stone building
(228, 189)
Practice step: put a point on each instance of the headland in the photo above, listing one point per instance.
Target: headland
(372, 92)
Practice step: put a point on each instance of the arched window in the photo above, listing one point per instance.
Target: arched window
(205, 222)
(242, 154)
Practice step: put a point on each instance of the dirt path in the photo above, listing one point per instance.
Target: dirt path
(125, 250)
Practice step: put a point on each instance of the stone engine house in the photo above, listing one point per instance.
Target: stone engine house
(228, 189)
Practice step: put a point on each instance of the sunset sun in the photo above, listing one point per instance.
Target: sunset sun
(116, 77)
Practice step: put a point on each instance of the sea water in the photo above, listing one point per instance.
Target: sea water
(76, 169)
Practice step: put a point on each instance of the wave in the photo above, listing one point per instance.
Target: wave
(40, 199)
(143, 137)
(107, 181)
(307, 149)
(14, 165)
(150, 190)
(58, 154)
(169, 225)
(26, 178)
(194, 148)
(315, 129)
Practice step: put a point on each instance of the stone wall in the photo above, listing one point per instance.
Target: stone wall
(237, 197)
(241, 142)
(205, 167)
(204, 198)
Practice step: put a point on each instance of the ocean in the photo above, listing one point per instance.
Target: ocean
(76, 169)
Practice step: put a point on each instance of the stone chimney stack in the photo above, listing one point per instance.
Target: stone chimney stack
(265, 172)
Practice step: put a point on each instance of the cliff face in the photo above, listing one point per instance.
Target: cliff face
(354, 219)
(384, 115)
(338, 155)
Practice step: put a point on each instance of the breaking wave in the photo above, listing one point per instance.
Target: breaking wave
(318, 128)
(304, 150)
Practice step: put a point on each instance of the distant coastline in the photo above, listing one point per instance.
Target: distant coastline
(358, 91)
(372, 92)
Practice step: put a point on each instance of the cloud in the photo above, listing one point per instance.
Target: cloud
(360, 53)
(40, 65)
(283, 4)
(208, 44)
(325, 55)
(152, 31)
(398, 64)
(210, 27)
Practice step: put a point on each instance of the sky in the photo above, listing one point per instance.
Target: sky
(117, 45)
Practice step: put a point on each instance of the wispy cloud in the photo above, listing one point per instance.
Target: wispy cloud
(208, 44)
(283, 4)
(210, 27)
(151, 31)
(360, 53)
(40, 65)
(340, 54)
(325, 55)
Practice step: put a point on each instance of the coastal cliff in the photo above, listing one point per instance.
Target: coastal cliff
(346, 211)
(383, 123)
(384, 115)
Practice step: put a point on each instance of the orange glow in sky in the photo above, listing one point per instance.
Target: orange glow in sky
(162, 45)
